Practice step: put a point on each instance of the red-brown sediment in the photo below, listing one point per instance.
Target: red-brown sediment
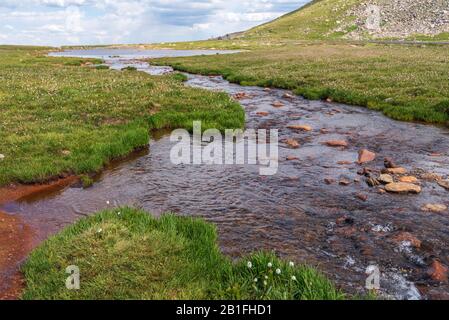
(16, 238)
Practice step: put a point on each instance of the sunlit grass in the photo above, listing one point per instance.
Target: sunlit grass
(63, 116)
(404, 82)
(128, 254)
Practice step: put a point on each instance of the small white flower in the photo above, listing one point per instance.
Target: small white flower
(270, 265)
(256, 280)
(265, 283)
(278, 271)
(292, 264)
(250, 265)
(2, 156)
(119, 213)
(266, 277)
(293, 278)
(100, 230)
(108, 203)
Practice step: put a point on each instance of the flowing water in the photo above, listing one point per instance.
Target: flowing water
(341, 229)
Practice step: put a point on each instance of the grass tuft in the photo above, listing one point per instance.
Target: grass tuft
(127, 254)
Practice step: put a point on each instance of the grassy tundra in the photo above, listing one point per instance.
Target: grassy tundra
(408, 83)
(127, 254)
(59, 115)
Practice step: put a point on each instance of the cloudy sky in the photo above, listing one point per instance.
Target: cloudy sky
(64, 22)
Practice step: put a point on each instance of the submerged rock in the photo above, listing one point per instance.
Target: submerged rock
(389, 163)
(434, 208)
(292, 143)
(301, 127)
(277, 104)
(336, 143)
(401, 187)
(444, 184)
(438, 271)
(407, 237)
(366, 156)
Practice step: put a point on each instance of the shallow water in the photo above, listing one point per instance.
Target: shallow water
(294, 212)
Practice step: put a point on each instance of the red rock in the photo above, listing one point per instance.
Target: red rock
(366, 156)
(263, 113)
(438, 271)
(362, 196)
(336, 143)
(292, 158)
(407, 237)
(241, 95)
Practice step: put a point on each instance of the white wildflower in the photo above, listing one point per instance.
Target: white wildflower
(266, 277)
(100, 230)
(293, 278)
(270, 265)
(265, 283)
(256, 280)
(108, 203)
(2, 156)
(278, 271)
(292, 264)
(250, 265)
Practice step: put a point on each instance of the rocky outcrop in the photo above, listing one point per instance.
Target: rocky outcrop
(397, 18)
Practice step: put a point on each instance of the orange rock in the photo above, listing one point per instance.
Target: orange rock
(292, 158)
(344, 162)
(396, 170)
(301, 127)
(401, 187)
(292, 143)
(409, 179)
(262, 113)
(366, 156)
(437, 208)
(438, 271)
(337, 143)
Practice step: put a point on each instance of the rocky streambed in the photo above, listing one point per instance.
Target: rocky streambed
(354, 189)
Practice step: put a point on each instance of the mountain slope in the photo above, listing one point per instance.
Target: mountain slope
(359, 19)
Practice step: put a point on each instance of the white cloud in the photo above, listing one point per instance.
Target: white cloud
(58, 22)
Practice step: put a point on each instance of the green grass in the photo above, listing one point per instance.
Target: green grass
(63, 116)
(404, 82)
(128, 254)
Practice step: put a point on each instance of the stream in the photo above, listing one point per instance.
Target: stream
(303, 212)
